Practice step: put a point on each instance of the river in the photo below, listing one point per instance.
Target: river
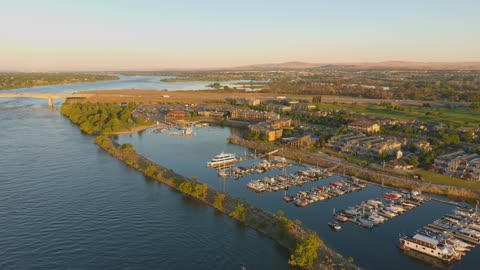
(68, 205)
(370, 249)
(65, 204)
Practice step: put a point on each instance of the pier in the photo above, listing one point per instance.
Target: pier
(377, 211)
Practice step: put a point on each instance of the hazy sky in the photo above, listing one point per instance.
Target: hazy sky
(103, 34)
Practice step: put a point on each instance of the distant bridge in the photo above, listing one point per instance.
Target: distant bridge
(49, 96)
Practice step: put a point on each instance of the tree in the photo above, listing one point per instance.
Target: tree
(240, 213)
(305, 252)
(414, 161)
(468, 136)
(218, 202)
(150, 171)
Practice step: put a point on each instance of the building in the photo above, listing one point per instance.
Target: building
(279, 108)
(299, 142)
(363, 145)
(364, 126)
(177, 114)
(212, 114)
(273, 130)
(245, 101)
(304, 106)
(253, 115)
(459, 164)
(420, 144)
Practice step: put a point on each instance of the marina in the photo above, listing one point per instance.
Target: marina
(377, 211)
(175, 154)
(448, 238)
(334, 189)
(284, 181)
(261, 167)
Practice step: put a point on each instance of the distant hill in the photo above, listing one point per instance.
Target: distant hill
(366, 65)
(278, 66)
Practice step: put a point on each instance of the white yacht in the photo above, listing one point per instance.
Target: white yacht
(222, 159)
(429, 246)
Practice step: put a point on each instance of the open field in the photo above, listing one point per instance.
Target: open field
(446, 180)
(457, 117)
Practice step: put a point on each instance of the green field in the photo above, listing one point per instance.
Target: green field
(451, 116)
(446, 180)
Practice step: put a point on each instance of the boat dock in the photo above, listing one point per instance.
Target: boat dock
(284, 181)
(377, 211)
(337, 188)
(261, 167)
(459, 230)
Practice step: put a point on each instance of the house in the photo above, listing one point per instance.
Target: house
(364, 126)
(458, 164)
(363, 145)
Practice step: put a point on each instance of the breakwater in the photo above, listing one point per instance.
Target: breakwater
(308, 251)
(360, 172)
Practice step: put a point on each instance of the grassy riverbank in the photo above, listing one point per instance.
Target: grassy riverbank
(460, 192)
(308, 251)
(106, 118)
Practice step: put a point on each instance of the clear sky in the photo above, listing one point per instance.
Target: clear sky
(148, 34)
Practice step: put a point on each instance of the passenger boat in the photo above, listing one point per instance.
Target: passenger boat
(429, 246)
(222, 159)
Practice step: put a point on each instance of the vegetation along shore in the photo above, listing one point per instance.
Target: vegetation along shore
(358, 171)
(26, 80)
(308, 251)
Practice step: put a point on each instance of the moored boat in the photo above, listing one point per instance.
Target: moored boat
(335, 226)
(429, 246)
(222, 159)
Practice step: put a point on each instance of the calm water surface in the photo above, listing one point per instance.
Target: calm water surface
(64, 204)
(67, 205)
(371, 249)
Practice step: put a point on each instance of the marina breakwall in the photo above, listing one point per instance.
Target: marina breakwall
(363, 173)
(308, 251)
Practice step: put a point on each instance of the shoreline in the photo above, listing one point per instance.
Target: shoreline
(262, 221)
(133, 130)
(371, 176)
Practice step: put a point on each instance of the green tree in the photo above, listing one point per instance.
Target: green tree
(240, 213)
(150, 171)
(305, 252)
(414, 161)
(218, 202)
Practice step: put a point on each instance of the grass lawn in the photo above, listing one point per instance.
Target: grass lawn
(446, 180)
(452, 116)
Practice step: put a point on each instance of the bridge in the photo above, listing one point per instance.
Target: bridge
(49, 96)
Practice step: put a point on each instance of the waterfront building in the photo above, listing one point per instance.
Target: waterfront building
(458, 164)
(273, 130)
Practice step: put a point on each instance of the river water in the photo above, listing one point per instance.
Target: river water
(67, 205)
(64, 204)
